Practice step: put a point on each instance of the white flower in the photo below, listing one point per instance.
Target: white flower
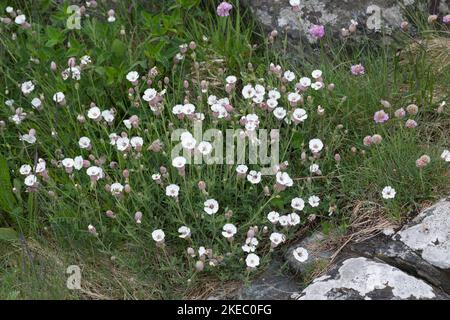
(111, 18)
(250, 245)
(314, 168)
(316, 74)
(211, 206)
(241, 169)
(294, 97)
(298, 204)
(445, 156)
(27, 87)
(36, 103)
(273, 217)
(136, 142)
(315, 145)
(212, 99)
(158, 235)
(188, 143)
(179, 162)
(231, 79)
(149, 94)
(279, 113)
(68, 163)
(317, 85)
(300, 254)
(284, 179)
(116, 189)
(274, 94)
(289, 75)
(188, 109)
(305, 82)
(277, 238)
(252, 260)
(172, 190)
(204, 147)
(156, 176)
(248, 91)
(78, 162)
(293, 219)
(201, 251)
(84, 142)
(133, 76)
(184, 232)
(9, 9)
(20, 19)
(388, 192)
(229, 230)
(85, 60)
(299, 115)
(25, 169)
(95, 172)
(58, 97)
(254, 177)
(94, 113)
(108, 115)
(294, 3)
(284, 220)
(122, 143)
(40, 166)
(30, 138)
(314, 201)
(30, 180)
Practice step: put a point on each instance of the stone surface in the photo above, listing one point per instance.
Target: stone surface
(316, 253)
(421, 248)
(372, 15)
(272, 285)
(366, 279)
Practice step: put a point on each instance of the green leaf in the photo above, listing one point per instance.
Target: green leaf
(7, 199)
(8, 234)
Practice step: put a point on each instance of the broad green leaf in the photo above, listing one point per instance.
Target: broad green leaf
(8, 234)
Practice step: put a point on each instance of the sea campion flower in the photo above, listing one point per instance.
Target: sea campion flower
(252, 261)
(300, 254)
(388, 192)
(229, 230)
(27, 87)
(357, 69)
(276, 239)
(158, 236)
(185, 232)
(172, 190)
(241, 170)
(273, 217)
(299, 115)
(282, 181)
(133, 77)
(92, 230)
(314, 201)
(445, 155)
(211, 206)
(315, 145)
(317, 31)
(254, 177)
(298, 204)
(223, 9)
(380, 116)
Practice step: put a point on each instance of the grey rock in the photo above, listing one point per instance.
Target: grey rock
(272, 285)
(361, 278)
(316, 253)
(421, 248)
(373, 16)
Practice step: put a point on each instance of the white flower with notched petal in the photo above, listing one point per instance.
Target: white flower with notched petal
(25, 169)
(388, 192)
(273, 217)
(299, 115)
(184, 232)
(133, 76)
(172, 190)
(314, 201)
(229, 230)
(211, 206)
(277, 238)
(158, 235)
(315, 145)
(445, 156)
(30, 180)
(284, 179)
(248, 91)
(300, 254)
(289, 75)
(279, 113)
(254, 177)
(205, 147)
(252, 260)
(27, 87)
(298, 204)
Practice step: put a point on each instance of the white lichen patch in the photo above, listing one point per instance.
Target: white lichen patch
(364, 276)
(432, 235)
